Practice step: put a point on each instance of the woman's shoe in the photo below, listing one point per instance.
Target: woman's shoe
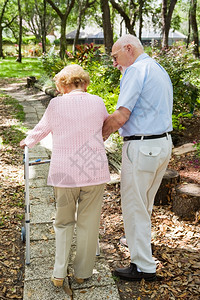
(57, 282)
(79, 280)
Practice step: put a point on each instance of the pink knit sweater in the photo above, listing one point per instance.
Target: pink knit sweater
(78, 155)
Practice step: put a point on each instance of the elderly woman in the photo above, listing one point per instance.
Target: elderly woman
(78, 169)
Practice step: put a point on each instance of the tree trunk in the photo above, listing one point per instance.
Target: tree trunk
(63, 42)
(166, 20)
(1, 26)
(19, 59)
(194, 27)
(78, 27)
(63, 18)
(189, 27)
(44, 27)
(140, 19)
(1, 43)
(107, 27)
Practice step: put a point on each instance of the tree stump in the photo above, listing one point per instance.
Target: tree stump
(31, 80)
(166, 190)
(187, 200)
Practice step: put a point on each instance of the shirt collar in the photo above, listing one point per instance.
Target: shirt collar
(140, 57)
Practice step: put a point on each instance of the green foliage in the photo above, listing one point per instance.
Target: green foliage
(8, 40)
(184, 71)
(52, 63)
(29, 40)
(85, 54)
(56, 42)
(197, 147)
(176, 121)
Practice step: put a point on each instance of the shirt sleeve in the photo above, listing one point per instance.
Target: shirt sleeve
(130, 88)
(106, 114)
(41, 130)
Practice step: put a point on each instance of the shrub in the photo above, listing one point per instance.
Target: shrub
(52, 63)
(27, 40)
(197, 146)
(7, 40)
(184, 71)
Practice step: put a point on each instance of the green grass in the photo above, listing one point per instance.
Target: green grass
(9, 68)
(17, 110)
(12, 134)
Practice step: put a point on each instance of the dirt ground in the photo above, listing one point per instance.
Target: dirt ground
(175, 242)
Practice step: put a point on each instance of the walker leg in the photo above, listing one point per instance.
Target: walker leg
(98, 249)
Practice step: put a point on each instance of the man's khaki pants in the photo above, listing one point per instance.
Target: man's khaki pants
(86, 218)
(143, 165)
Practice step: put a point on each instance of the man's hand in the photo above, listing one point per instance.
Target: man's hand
(115, 121)
(22, 144)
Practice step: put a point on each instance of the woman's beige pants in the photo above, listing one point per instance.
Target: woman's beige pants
(87, 222)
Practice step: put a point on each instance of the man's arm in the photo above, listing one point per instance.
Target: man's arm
(115, 121)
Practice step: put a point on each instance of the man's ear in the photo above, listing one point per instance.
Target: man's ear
(129, 48)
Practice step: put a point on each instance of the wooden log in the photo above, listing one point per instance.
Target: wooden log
(187, 201)
(51, 92)
(114, 159)
(165, 192)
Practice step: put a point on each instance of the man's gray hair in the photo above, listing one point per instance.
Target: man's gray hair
(130, 39)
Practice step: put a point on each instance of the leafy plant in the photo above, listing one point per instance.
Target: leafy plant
(52, 63)
(197, 146)
(184, 71)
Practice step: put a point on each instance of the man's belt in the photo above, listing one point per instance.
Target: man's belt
(143, 137)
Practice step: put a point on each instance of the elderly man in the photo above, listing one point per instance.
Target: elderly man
(144, 118)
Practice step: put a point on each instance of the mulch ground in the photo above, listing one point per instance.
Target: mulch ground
(175, 242)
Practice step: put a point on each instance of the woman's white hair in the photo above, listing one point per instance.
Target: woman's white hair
(129, 39)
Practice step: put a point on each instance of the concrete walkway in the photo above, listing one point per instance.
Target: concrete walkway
(37, 285)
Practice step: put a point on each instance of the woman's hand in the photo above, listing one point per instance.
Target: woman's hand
(22, 144)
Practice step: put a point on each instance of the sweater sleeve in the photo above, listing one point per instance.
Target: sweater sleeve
(41, 130)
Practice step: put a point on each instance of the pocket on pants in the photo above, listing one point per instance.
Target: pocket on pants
(148, 158)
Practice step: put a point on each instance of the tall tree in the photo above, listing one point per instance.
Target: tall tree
(107, 26)
(40, 19)
(42, 16)
(19, 58)
(167, 11)
(4, 22)
(63, 13)
(133, 11)
(194, 26)
(141, 3)
(83, 5)
(127, 12)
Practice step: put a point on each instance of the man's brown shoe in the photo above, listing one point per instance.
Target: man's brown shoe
(131, 274)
